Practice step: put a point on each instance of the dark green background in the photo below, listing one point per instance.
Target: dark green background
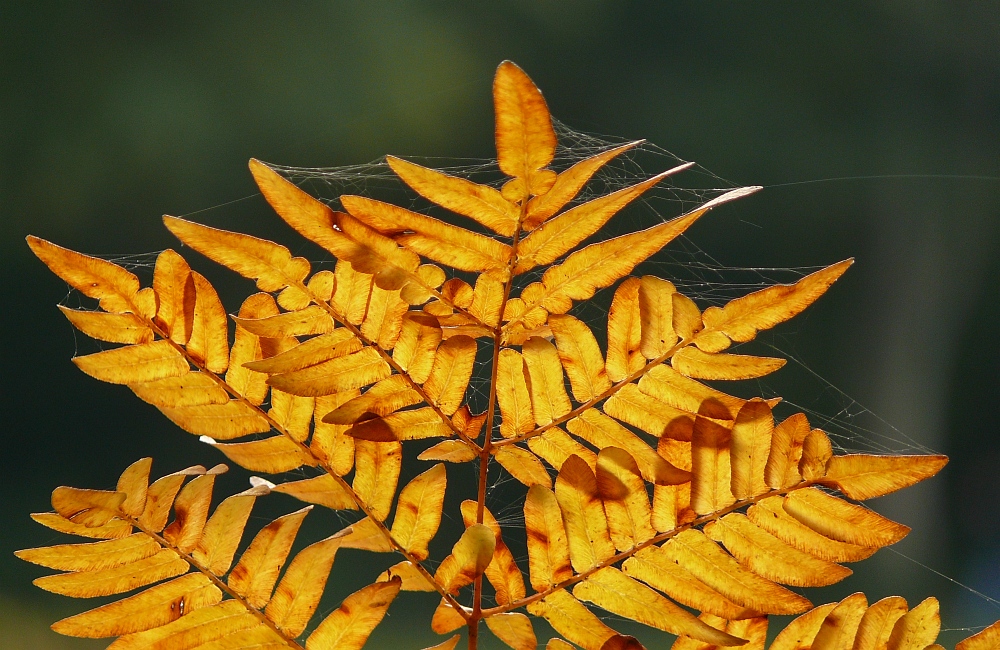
(114, 113)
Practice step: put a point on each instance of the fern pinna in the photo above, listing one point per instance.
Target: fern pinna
(668, 495)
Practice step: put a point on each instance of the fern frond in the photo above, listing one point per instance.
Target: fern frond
(208, 601)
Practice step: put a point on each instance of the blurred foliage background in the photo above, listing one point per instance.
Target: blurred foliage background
(114, 113)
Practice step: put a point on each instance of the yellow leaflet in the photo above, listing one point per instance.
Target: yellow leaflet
(376, 474)
(189, 389)
(200, 627)
(711, 471)
(771, 516)
(771, 558)
(416, 347)
(656, 316)
(816, 453)
(598, 265)
(384, 318)
(293, 413)
(134, 482)
(248, 347)
(877, 623)
(502, 572)
(514, 629)
(470, 556)
(255, 574)
(412, 579)
(350, 298)
(349, 626)
(841, 625)
(445, 619)
(548, 393)
(751, 444)
(270, 264)
(625, 500)
(403, 425)
(692, 362)
(512, 395)
(160, 497)
(418, 511)
(567, 184)
(487, 297)
(693, 551)
(92, 557)
(385, 397)
(687, 316)
(741, 319)
(113, 328)
(782, 469)
(151, 608)
(917, 628)
(601, 431)
(87, 507)
(481, 203)
(624, 333)
(523, 465)
(560, 235)
(687, 643)
(115, 580)
(447, 645)
(300, 589)
(366, 536)
(338, 343)
(843, 521)
(209, 342)
(191, 512)
(220, 421)
(442, 242)
(323, 490)
(451, 372)
(269, 455)
(343, 373)
(586, 524)
(799, 634)
(555, 446)
(134, 363)
(672, 503)
(330, 442)
(612, 590)
(581, 357)
(525, 139)
(548, 550)
(690, 396)
(452, 451)
(571, 618)
(656, 569)
(109, 283)
(311, 320)
(632, 406)
(175, 294)
(224, 530)
(863, 476)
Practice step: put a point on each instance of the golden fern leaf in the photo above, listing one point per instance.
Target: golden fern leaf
(332, 372)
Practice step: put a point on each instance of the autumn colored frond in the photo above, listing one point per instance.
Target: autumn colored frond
(450, 331)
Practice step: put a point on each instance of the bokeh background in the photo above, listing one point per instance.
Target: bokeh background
(114, 113)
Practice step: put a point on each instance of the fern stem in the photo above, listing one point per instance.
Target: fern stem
(484, 455)
(216, 580)
(592, 402)
(656, 539)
